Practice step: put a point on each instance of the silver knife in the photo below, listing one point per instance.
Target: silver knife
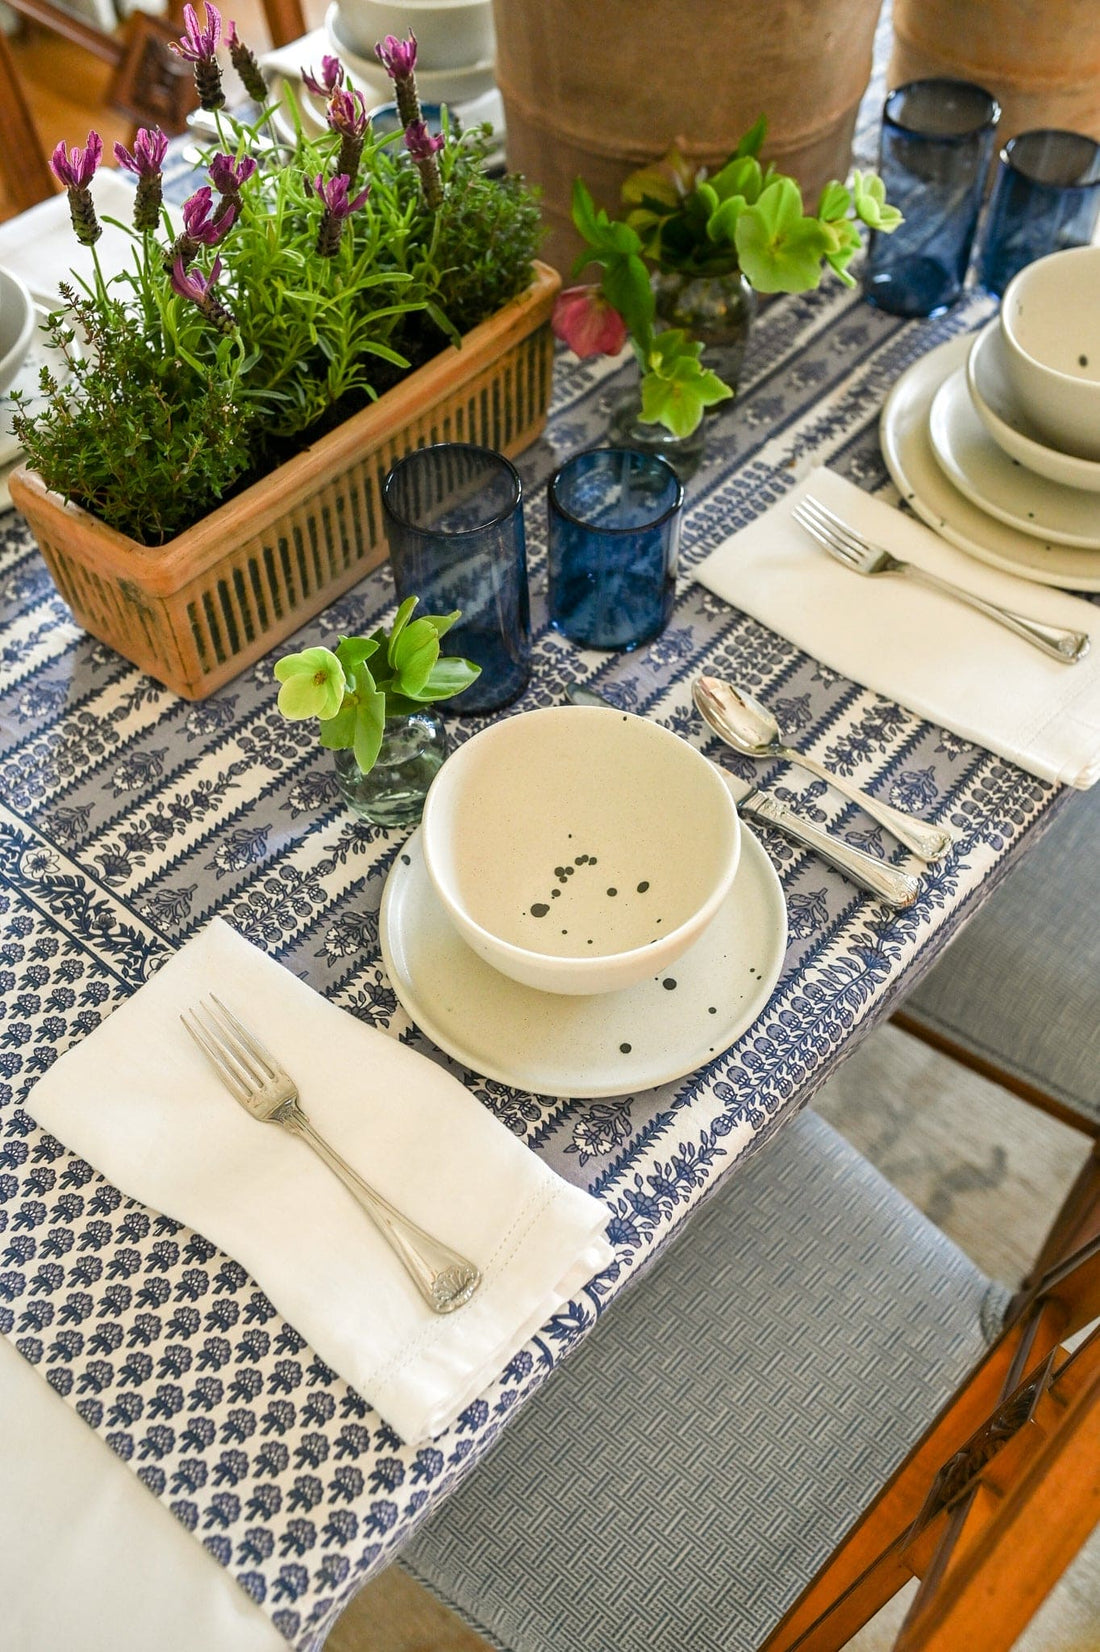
(897, 888)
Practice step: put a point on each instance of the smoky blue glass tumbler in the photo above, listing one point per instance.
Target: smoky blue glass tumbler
(935, 149)
(454, 521)
(1046, 197)
(614, 541)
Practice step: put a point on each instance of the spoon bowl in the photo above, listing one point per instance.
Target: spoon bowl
(739, 719)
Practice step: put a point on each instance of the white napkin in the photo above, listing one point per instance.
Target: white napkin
(139, 1101)
(920, 648)
(40, 245)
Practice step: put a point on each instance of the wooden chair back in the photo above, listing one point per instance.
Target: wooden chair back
(149, 83)
(1001, 1493)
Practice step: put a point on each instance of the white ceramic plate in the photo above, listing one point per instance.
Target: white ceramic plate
(907, 449)
(996, 406)
(455, 85)
(609, 1044)
(38, 356)
(971, 459)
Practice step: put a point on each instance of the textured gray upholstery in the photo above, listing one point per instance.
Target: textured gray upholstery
(1020, 987)
(677, 1482)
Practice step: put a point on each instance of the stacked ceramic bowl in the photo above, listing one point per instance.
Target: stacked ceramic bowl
(17, 364)
(995, 439)
(581, 911)
(455, 44)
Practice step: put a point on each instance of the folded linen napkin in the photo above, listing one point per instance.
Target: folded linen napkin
(39, 245)
(921, 648)
(139, 1101)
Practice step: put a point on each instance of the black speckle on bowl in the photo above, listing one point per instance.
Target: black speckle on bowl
(669, 984)
(643, 886)
(539, 910)
(625, 1048)
(612, 891)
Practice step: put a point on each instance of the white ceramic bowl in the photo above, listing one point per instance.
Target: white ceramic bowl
(1050, 323)
(996, 405)
(450, 34)
(579, 849)
(453, 86)
(17, 323)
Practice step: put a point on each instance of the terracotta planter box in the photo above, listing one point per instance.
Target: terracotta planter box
(196, 611)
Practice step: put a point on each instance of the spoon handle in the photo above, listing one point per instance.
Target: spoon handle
(924, 840)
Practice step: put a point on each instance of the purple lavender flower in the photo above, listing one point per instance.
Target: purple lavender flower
(202, 225)
(243, 59)
(75, 168)
(199, 288)
(398, 58)
(420, 143)
(423, 148)
(199, 47)
(338, 208)
(347, 115)
(331, 76)
(146, 159)
(227, 175)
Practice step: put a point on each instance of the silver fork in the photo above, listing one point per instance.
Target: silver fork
(859, 554)
(266, 1090)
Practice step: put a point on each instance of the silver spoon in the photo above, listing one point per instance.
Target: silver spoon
(743, 723)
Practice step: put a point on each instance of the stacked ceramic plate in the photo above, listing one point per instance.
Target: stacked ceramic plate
(977, 460)
(455, 60)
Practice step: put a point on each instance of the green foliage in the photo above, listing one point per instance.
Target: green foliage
(173, 401)
(352, 698)
(487, 233)
(147, 462)
(745, 217)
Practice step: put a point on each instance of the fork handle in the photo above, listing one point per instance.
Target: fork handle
(929, 842)
(444, 1278)
(1060, 644)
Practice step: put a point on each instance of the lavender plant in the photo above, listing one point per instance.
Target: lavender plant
(299, 287)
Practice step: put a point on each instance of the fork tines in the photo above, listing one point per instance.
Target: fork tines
(828, 529)
(242, 1062)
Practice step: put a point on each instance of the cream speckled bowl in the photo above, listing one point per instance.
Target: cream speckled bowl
(580, 849)
(17, 322)
(1050, 326)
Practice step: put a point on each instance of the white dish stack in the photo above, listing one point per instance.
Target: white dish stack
(995, 440)
(455, 44)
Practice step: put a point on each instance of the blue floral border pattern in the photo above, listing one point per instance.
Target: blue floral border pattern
(131, 817)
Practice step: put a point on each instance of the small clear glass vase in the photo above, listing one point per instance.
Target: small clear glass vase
(716, 309)
(392, 793)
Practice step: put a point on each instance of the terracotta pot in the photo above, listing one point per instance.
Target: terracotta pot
(596, 88)
(196, 611)
(1039, 58)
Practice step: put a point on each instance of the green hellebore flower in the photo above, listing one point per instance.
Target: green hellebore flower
(871, 204)
(313, 684)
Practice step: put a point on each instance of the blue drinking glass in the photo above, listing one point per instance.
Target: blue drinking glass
(1046, 197)
(454, 521)
(935, 148)
(614, 540)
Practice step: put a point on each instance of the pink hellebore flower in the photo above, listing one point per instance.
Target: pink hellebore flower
(75, 168)
(585, 321)
(199, 45)
(331, 76)
(148, 152)
(420, 143)
(397, 57)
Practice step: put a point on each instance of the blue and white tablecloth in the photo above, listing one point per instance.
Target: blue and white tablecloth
(130, 817)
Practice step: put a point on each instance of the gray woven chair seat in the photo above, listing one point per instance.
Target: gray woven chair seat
(1020, 987)
(680, 1478)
